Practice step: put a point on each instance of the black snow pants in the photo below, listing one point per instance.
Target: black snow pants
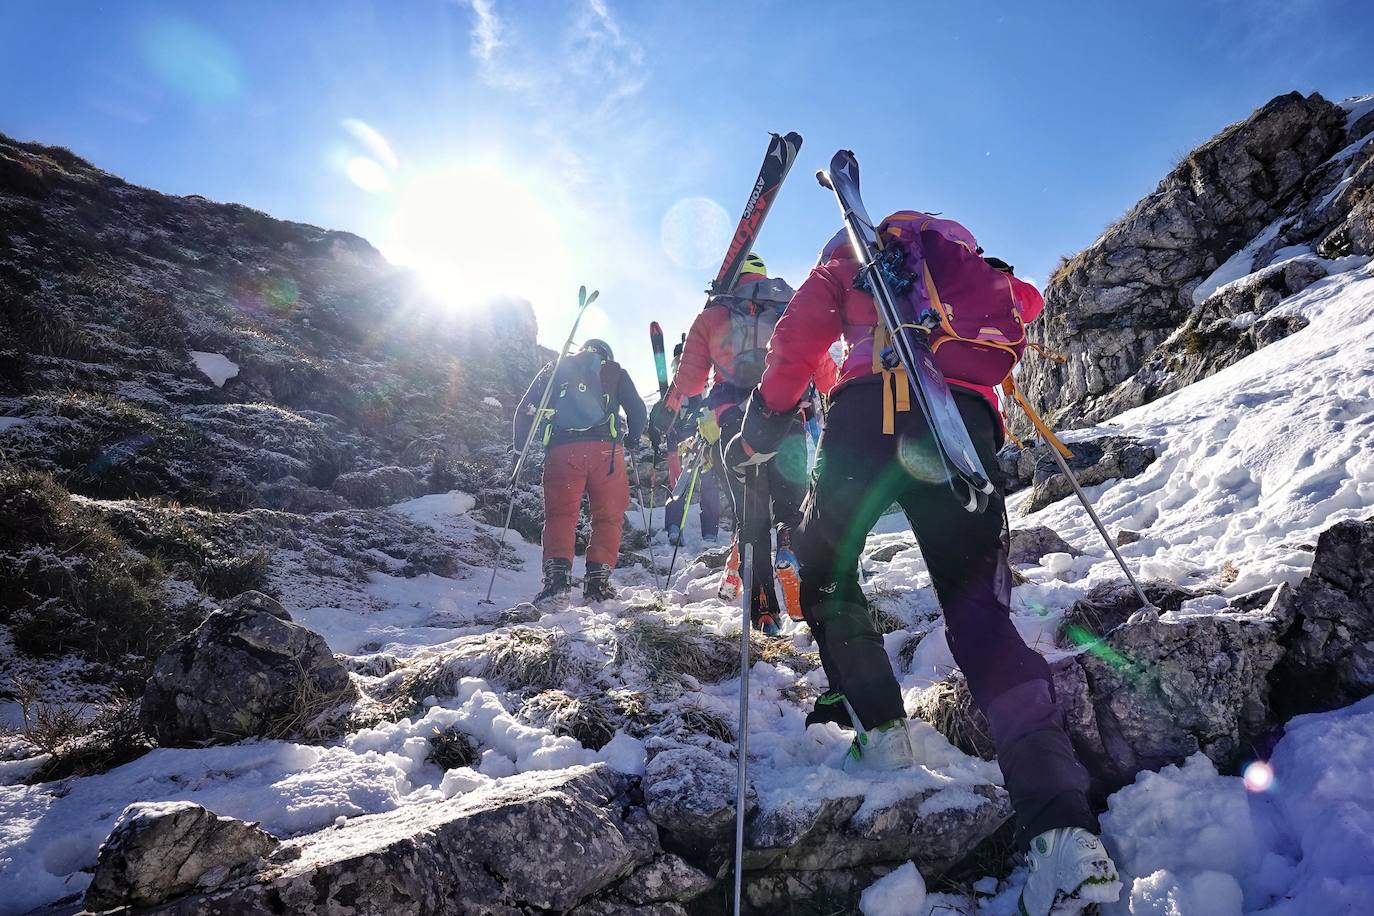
(773, 497)
(859, 473)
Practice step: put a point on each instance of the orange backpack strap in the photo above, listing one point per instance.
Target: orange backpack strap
(1009, 388)
(896, 388)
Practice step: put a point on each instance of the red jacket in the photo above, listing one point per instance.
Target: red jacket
(827, 307)
(707, 356)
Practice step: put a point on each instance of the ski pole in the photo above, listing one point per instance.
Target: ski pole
(644, 520)
(686, 504)
(1147, 610)
(742, 742)
(583, 300)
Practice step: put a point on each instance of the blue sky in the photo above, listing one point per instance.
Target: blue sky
(506, 146)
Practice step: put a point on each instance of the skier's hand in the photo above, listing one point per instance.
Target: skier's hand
(660, 421)
(739, 456)
(761, 434)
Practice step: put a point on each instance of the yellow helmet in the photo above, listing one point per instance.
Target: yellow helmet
(753, 264)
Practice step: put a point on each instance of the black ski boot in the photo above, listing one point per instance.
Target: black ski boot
(597, 584)
(557, 579)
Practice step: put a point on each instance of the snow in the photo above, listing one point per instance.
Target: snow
(1357, 107)
(1190, 841)
(1238, 266)
(217, 367)
(490, 401)
(900, 892)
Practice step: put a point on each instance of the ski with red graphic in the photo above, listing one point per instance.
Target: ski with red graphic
(782, 152)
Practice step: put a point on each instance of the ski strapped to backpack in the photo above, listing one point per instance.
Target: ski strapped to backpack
(906, 361)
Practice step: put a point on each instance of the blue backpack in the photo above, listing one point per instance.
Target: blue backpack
(579, 401)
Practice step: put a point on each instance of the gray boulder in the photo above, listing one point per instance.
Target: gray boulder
(690, 794)
(247, 671)
(886, 553)
(540, 842)
(1028, 545)
(160, 850)
(1164, 690)
(668, 878)
(1330, 645)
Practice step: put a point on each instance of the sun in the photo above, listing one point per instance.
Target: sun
(482, 229)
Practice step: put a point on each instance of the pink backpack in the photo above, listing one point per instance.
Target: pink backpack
(977, 333)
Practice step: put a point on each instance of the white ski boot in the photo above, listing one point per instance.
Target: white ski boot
(1069, 871)
(887, 747)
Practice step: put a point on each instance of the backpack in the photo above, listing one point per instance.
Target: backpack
(977, 334)
(579, 400)
(754, 308)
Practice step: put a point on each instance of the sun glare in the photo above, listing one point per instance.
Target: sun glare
(478, 230)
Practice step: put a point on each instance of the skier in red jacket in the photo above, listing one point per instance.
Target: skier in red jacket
(726, 345)
(877, 448)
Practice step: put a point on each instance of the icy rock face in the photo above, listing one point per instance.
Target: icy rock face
(1330, 647)
(1093, 461)
(247, 670)
(541, 842)
(159, 850)
(1112, 305)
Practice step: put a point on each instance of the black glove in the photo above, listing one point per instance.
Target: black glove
(660, 421)
(760, 435)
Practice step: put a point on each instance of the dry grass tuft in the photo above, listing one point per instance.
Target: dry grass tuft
(667, 651)
(451, 748)
(949, 707)
(593, 718)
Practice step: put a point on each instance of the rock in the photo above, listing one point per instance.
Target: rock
(1028, 545)
(377, 487)
(690, 794)
(812, 833)
(1109, 605)
(715, 557)
(885, 553)
(160, 850)
(784, 893)
(1126, 536)
(542, 841)
(1330, 647)
(667, 878)
(1162, 691)
(525, 612)
(617, 908)
(248, 670)
(1110, 307)
(1094, 461)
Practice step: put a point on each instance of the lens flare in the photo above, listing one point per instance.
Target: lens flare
(367, 174)
(191, 62)
(694, 232)
(1259, 776)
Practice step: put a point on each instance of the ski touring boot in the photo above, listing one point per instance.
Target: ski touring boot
(597, 584)
(557, 580)
(786, 572)
(1069, 872)
(829, 707)
(887, 747)
(730, 582)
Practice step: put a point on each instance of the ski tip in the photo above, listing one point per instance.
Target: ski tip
(592, 297)
(824, 178)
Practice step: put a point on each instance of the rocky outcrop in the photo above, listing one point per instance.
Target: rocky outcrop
(1330, 641)
(248, 670)
(1114, 304)
(160, 850)
(1228, 326)
(1028, 545)
(690, 794)
(1094, 461)
(539, 842)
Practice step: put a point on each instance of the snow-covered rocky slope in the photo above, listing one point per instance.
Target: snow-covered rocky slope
(507, 759)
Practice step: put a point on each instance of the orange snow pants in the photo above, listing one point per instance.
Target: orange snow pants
(596, 468)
